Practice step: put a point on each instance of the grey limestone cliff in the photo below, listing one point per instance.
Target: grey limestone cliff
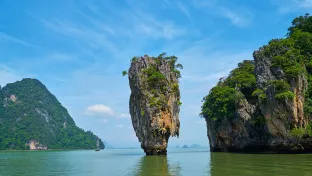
(154, 101)
(265, 104)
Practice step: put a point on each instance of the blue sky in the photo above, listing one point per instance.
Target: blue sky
(79, 48)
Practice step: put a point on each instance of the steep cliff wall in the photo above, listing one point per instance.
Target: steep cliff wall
(154, 101)
(265, 105)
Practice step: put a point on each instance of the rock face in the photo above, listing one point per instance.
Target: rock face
(32, 118)
(154, 101)
(34, 145)
(274, 114)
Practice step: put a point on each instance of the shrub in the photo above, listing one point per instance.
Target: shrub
(288, 95)
(124, 73)
(297, 132)
(220, 103)
(260, 94)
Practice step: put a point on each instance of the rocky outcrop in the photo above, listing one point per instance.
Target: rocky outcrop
(265, 105)
(34, 145)
(154, 101)
(30, 114)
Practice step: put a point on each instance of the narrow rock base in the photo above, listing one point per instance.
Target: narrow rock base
(155, 152)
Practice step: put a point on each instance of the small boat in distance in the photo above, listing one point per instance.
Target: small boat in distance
(97, 150)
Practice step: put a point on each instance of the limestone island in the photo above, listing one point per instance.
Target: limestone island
(154, 101)
(265, 105)
(31, 118)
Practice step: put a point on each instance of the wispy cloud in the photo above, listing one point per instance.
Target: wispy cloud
(61, 57)
(147, 24)
(184, 10)
(85, 35)
(287, 6)
(6, 37)
(240, 19)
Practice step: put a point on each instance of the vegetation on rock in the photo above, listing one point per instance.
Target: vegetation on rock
(274, 90)
(155, 100)
(28, 111)
(222, 100)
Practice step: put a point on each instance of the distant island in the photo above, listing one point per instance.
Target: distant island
(265, 105)
(32, 118)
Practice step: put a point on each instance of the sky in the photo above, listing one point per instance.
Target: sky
(79, 48)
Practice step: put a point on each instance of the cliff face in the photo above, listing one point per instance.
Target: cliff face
(269, 109)
(154, 101)
(32, 118)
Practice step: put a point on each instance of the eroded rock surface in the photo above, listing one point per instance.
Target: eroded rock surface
(269, 107)
(154, 101)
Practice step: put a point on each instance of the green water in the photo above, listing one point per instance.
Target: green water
(117, 162)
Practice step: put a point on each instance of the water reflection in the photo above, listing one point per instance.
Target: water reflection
(259, 164)
(155, 165)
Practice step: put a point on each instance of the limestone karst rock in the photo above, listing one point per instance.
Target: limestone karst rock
(265, 105)
(31, 117)
(154, 101)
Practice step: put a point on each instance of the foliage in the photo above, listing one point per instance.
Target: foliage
(220, 103)
(260, 120)
(282, 90)
(243, 78)
(309, 129)
(36, 114)
(297, 132)
(290, 58)
(302, 23)
(280, 85)
(155, 78)
(124, 73)
(134, 59)
(288, 95)
(222, 99)
(308, 98)
(179, 103)
(157, 83)
(260, 94)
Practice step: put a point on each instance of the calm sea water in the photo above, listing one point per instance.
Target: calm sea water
(117, 162)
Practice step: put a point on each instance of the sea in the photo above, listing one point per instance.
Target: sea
(179, 161)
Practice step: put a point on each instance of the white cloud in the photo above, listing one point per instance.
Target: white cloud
(124, 116)
(99, 109)
(120, 126)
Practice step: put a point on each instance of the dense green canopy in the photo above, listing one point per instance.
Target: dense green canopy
(28, 111)
(293, 55)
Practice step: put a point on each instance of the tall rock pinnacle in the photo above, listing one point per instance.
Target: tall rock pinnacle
(154, 101)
